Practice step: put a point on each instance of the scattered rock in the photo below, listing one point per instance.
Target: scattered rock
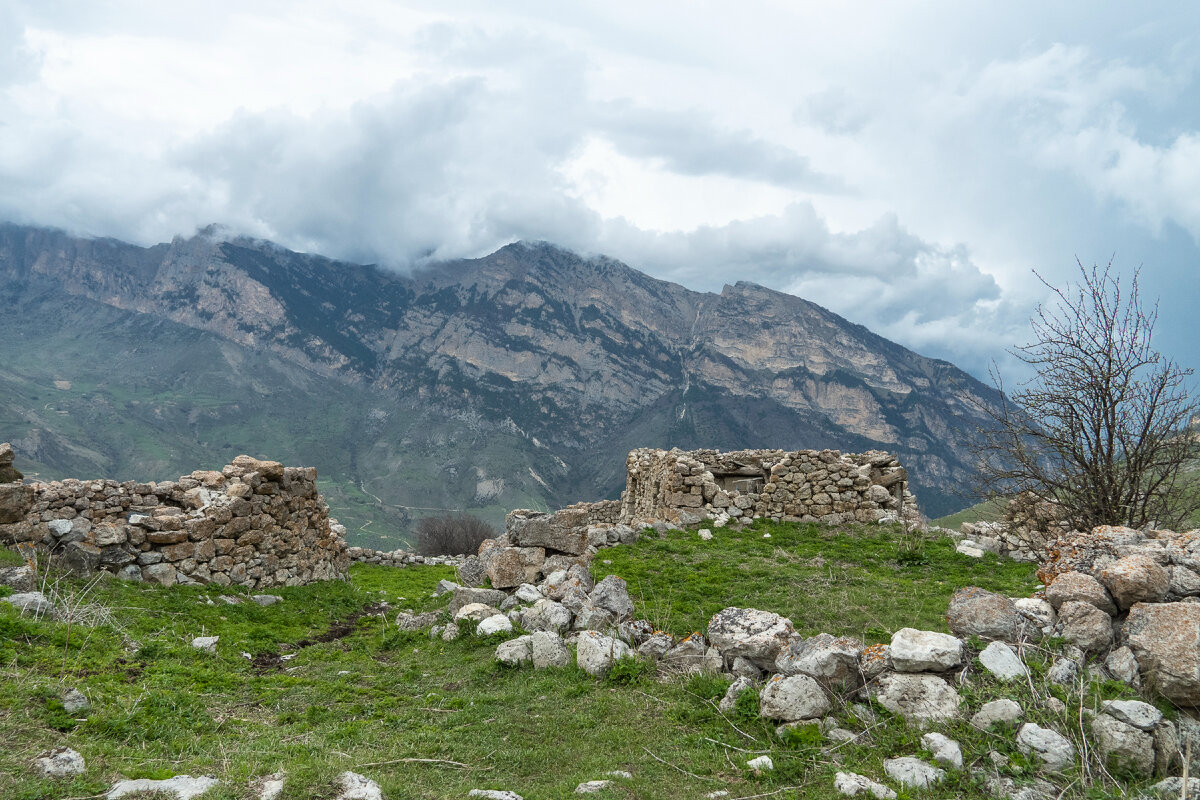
(34, 604)
(592, 787)
(1081, 588)
(705, 534)
(358, 787)
(757, 635)
(1123, 747)
(408, 621)
(977, 612)
(1000, 660)
(515, 651)
(852, 784)
(497, 623)
(596, 653)
(832, 660)
(761, 764)
(1142, 716)
(547, 615)
(184, 787)
(924, 651)
(918, 698)
(266, 599)
(1171, 788)
(549, 650)
(1135, 579)
(74, 702)
(791, 698)
(1063, 671)
(946, 751)
(61, 762)
(268, 787)
(1084, 625)
(1123, 666)
(493, 794)
(477, 612)
(912, 772)
(19, 579)
(1003, 711)
(206, 643)
(1052, 749)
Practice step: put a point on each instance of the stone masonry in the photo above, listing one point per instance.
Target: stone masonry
(254, 523)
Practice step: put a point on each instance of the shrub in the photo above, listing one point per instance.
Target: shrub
(452, 535)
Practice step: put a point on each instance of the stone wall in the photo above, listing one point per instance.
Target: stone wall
(254, 524)
(797, 486)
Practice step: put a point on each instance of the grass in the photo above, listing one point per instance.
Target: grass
(985, 511)
(433, 719)
(866, 581)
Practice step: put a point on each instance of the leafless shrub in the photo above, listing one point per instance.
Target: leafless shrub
(452, 535)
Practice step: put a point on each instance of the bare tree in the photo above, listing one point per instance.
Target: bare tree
(1102, 430)
(452, 535)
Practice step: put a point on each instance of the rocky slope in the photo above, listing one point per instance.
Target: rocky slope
(542, 366)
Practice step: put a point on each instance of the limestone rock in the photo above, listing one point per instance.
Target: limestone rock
(1079, 587)
(612, 595)
(1165, 638)
(206, 643)
(1053, 750)
(465, 596)
(761, 764)
(515, 651)
(34, 604)
(1085, 626)
(496, 623)
(1123, 665)
(748, 632)
(75, 702)
(184, 787)
(912, 772)
(1135, 579)
(977, 612)
(734, 691)
(832, 660)
(918, 698)
(476, 612)
(924, 651)
(1063, 672)
(549, 650)
(494, 794)
(15, 501)
(791, 698)
(1122, 746)
(1142, 716)
(1037, 618)
(535, 529)
(596, 653)
(19, 579)
(1000, 660)
(358, 787)
(946, 751)
(592, 787)
(1005, 711)
(1171, 788)
(61, 762)
(656, 646)
(547, 615)
(852, 784)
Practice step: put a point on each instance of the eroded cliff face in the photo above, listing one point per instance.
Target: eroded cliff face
(578, 355)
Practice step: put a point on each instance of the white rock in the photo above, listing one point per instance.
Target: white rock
(1063, 672)
(852, 784)
(969, 549)
(74, 701)
(270, 787)
(493, 794)
(528, 593)
(592, 787)
(61, 762)
(497, 623)
(945, 750)
(739, 685)
(475, 611)
(266, 599)
(619, 773)
(515, 651)
(35, 604)
(924, 651)
(549, 650)
(1053, 749)
(912, 772)
(206, 643)
(1005, 711)
(596, 653)
(184, 787)
(748, 632)
(1000, 660)
(918, 698)
(1134, 712)
(796, 697)
(705, 534)
(761, 764)
(358, 787)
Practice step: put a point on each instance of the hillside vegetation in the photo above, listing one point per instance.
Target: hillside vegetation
(323, 682)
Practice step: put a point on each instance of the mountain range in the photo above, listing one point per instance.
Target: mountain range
(518, 379)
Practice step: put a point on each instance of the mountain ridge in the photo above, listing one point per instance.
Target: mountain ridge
(576, 354)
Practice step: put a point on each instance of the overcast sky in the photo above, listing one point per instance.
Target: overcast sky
(906, 164)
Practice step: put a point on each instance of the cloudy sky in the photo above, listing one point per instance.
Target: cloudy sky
(906, 164)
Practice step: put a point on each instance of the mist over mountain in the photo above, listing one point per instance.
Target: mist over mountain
(520, 378)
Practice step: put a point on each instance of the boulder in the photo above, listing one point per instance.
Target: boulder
(1053, 750)
(924, 651)
(75, 702)
(1165, 638)
(15, 502)
(183, 787)
(656, 646)
(832, 660)
(1135, 579)
(1037, 618)
(407, 621)
(465, 595)
(1123, 665)
(977, 612)
(692, 654)
(1122, 747)
(549, 650)
(535, 529)
(912, 772)
(1142, 716)
(505, 567)
(1085, 626)
(918, 698)
(1079, 587)
(1000, 660)
(591, 618)
(734, 691)
(496, 623)
(792, 698)
(748, 632)
(546, 615)
(515, 651)
(945, 750)
(596, 653)
(1063, 671)
(35, 604)
(612, 595)
(852, 784)
(61, 762)
(19, 579)
(1003, 711)
(477, 612)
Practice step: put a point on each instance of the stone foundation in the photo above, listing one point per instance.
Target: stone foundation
(254, 524)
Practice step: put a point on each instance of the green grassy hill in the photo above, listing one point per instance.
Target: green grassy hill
(319, 683)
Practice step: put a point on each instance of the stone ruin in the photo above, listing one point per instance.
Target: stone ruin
(254, 523)
(791, 486)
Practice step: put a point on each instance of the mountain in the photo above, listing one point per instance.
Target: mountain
(520, 378)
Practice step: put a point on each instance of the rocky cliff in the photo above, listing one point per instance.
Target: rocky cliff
(537, 368)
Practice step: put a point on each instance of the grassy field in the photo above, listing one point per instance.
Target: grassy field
(330, 686)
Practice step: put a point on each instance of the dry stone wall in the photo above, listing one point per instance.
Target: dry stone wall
(793, 486)
(254, 523)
